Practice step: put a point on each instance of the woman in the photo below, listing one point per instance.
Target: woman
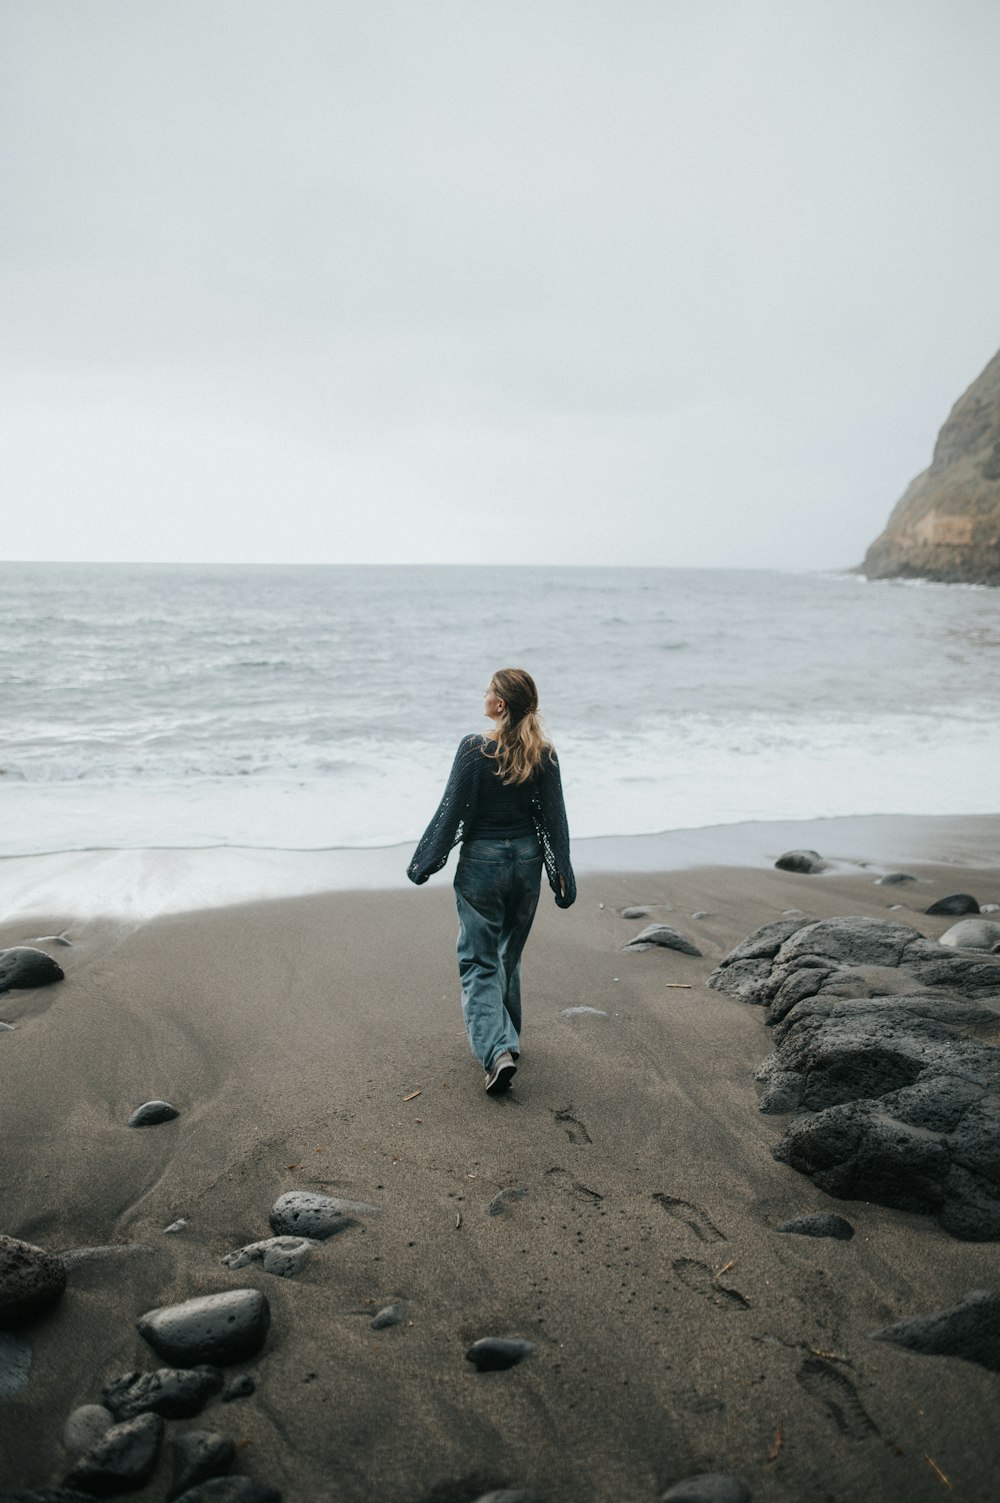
(504, 802)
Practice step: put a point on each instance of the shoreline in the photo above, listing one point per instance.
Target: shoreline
(315, 1042)
(144, 882)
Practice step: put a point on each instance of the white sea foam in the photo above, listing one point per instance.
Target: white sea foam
(280, 709)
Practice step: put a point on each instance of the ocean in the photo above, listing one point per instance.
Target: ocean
(292, 708)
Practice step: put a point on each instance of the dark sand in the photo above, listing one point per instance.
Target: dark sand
(674, 1335)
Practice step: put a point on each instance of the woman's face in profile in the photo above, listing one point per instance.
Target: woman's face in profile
(492, 704)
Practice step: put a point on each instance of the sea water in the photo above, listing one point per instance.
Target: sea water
(318, 707)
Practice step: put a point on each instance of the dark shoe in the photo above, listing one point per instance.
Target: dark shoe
(500, 1074)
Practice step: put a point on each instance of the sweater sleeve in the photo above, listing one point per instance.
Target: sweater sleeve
(454, 814)
(553, 833)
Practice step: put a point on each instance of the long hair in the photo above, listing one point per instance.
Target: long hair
(520, 742)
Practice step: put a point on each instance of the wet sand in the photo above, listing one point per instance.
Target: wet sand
(676, 1329)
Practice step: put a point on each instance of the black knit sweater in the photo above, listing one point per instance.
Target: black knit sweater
(469, 807)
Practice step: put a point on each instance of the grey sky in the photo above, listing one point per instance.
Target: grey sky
(688, 282)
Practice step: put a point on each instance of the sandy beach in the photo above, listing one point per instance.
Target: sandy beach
(315, 1042)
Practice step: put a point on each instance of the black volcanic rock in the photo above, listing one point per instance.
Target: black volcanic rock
(956, 903)
(30, 1279)
(215, 1328)
(198, 1455)
(22, 968)
(947, 524)
(884, 1047)
(123, 1459)
(173, 1392)
(970, 1330)
(494, 1353)
(152, 1113)
(807, 862)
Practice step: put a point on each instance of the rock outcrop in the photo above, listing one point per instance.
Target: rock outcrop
(886, 1055)
(947, 525)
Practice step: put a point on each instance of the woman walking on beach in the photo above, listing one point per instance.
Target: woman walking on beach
(504, 802)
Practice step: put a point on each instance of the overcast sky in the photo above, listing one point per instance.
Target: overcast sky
(682, 282)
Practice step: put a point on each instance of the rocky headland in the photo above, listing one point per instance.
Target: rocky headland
(946, 527)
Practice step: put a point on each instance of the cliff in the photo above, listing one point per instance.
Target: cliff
(947, 524)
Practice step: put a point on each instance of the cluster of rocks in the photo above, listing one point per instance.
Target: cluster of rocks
(884, 1055)
(116, 1443)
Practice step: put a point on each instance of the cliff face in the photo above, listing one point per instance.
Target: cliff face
(947, 525)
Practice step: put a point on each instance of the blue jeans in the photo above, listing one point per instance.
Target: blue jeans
(496, 891)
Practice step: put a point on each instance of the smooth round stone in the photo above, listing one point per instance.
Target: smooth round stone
(124, 1458)
(664, 936)
(22, 968)
(494, 1353)
(216, 1328)
(31, 1279)
(635, 913)
(231, 1490)
(807, 862)
(307, 1213)
(174, 1392)
(956, 903)
(85, 1426)
(707, 1487)
(822, 1224)
(199, 1455)
(152, 1113)
(973, 934)
(389, 1315)
(989, 908)
(892, 879)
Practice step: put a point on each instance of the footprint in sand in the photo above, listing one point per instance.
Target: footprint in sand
(700, 1278)
(839, 1397)
(575, 1129)
(693, 1216)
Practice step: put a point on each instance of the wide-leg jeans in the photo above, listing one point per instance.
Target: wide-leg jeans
(496, 892)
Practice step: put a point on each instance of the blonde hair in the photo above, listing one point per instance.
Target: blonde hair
(520, 741)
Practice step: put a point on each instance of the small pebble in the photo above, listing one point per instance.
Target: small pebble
(663, 936)
(822, 1224)
(498, 1202)
(635, 913)
(307, 1213)
(282, 1256)
(389, 1315)
(240, 1388)
(495, 1353)
(152, 1113)
(175, 1226)
(85, 1426)
(580, 1012)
